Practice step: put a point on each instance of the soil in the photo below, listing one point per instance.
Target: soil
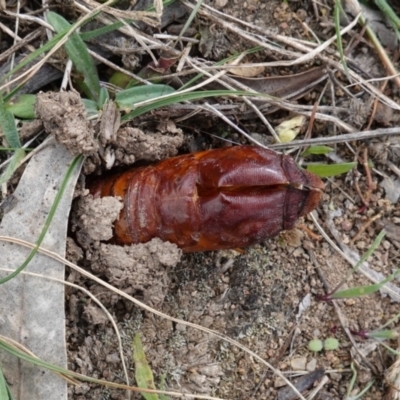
(267, 297)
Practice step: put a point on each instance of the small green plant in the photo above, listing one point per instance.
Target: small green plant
(143, 373)
(316, 345)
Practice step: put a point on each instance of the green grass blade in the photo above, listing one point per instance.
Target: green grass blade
(143, 374)
(162, 387)
(126, 98)
(79, 55)
(101, 31)
(8, 126)
(179, 98)
(91, 107)
(384, 334)
(36, 361)
(77, 160)
(393, 351)
(358, 291)
(389, 12)
(4, 390)
(336, 14)
(324, 170)
(368, 253)
(12, 166)
(317, 150)
(103, 97)
(23, 106)
(365, 290)
(192, 16)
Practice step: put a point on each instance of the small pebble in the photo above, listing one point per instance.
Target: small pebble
(298, 364)
(311, 365)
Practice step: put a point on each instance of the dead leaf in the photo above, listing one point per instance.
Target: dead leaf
(247, 72)
(33, 308)
(289, 86)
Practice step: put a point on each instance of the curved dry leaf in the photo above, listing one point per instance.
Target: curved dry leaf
(247, 72)
(32, 308)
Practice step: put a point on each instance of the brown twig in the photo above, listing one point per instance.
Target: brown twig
(309, 232)
(375, 106)
(368, 175)
(364, 227)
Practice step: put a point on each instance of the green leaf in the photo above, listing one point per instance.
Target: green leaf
(119, 79)
(364, 257)
(363, 290)
(79, 55)
(127, 98)
(324, 170)
(315, 345)
(12, 166)
(162, 387)
(357, 291)
(101, 31)
(8, 126)
(331, 344)
(22, 106)
(389, 12)
(143, 373)
(319, 150)
(179, 98)
(384, 334)
(338, 9)
(4, 391)
(103, 97)
(91, 107)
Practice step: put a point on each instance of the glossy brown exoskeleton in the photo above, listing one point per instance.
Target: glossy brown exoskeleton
(216, 199)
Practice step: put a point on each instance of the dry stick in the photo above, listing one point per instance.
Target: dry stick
(375, 107)
(311, 121)
(368, 174)
(393, 167)
(21, 42)
(149, 17)
(15, 37)
(57, 257)
(234, 126)
(30, 18)
(348, 137)
(364, 227)
(15, 33)
(309, 232)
